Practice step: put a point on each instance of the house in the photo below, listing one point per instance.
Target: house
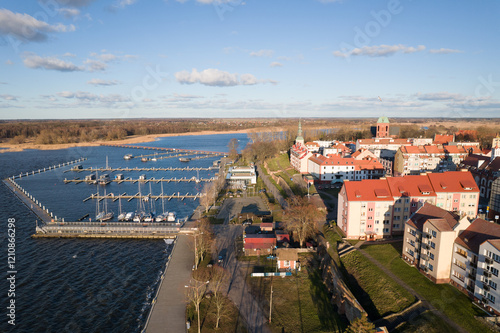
(299, 155)
(428, 240)
(287, 259)
(240, 176)
(282, 236)
(267, 226)
(258, 244)
(383, 147)
(372, 209)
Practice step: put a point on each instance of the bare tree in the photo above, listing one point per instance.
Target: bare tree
(203, 240)
(205, 199)
(195, 293)
(233, 148)
(301, 217)
(219, 278)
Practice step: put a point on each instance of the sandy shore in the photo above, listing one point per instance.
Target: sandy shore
(135, 139)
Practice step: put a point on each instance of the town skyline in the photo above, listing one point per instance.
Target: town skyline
(81, 59)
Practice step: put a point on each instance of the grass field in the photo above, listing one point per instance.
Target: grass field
(300, 302)
(378, 293)
(279, 163)
(444, 297)
(427, 322)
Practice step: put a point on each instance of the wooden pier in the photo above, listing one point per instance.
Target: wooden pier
(146, 180)
(109, 169)
(166, 149)
(113, 197)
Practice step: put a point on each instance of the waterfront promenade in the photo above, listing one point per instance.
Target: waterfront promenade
(168, 313)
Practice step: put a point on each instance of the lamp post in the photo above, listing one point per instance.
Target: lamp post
(197, 296)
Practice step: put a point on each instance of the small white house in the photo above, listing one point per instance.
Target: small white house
(288, 259)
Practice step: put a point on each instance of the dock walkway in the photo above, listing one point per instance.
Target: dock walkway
(168, 312)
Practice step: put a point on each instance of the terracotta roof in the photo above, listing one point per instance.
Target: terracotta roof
(438, 138)
(384, 141)
(312, 144)
(368, 190)
(287, 254)
(453, 181)
(415, 186)
(439, 217)
(477, 233)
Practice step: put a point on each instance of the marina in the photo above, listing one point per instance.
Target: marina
(145, 180)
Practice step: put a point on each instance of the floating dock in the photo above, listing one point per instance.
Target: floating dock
(146, 180)
(191, 151)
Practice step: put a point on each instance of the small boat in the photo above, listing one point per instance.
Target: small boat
(171, 217)
(128, 157)
(130, 216)
(149, 218)
(161, 218)
(104, 179)
(144, 159)
(139, 217)
(184, 159)
(122, 215)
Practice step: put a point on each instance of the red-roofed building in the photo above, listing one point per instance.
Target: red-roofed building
(444, 139)
(336, 168)
(313, 147)
(299, 156)
(257, 244)
(428, 240)
(379, 208)
(382, 147)
(412, 160)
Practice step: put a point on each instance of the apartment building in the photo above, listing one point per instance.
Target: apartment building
(336, 168)
(383, 147)
(299, 155)
(428, 240)
(398, 198)
(476, 263)
(411, 160)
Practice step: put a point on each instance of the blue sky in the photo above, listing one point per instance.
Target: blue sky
(244, 58)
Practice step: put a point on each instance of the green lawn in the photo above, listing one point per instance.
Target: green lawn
(378, 293)
(275, 163)
(333, 238)
(457, 306)
(426, 322)
(300, 303)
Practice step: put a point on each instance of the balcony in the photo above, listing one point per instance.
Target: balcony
(488, 260)
(424, 256)
(428, 236)
(484, 300)
(471, 276)
(487, 273)
(473, 264)
(462, 254)
(486, 287)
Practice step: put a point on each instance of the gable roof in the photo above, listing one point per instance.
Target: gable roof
(368, 190)
(442, 219)
(414, 185)
(477, 233)
(287, 254)
(453, 181)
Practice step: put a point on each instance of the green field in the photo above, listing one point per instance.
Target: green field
(454, 304)
(378, 293)
(300, 303)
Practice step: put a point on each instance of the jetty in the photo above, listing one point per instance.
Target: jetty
(191, 151)
(109, 169)
(145, 180)
(177, 195)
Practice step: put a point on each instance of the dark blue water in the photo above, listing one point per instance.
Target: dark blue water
(71, 285)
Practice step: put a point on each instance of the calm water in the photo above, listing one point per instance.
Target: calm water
(70, 285)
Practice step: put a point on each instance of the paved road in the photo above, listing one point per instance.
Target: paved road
(169, 311)
(238, 290)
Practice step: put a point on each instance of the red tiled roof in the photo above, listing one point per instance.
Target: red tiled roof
(453, 181)
(368, 190)
(438, 138)
(495, 243)
(415, 186)
(477, 233)
(385, 141)
(441, 218)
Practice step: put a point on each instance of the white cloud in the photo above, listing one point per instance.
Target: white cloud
(32, 60)
(217, 78)
(276, 64)
(27, 28)
(262, 53)
(125, 3)
(9, 62)
(69, 12)
(100, 82)
(444, 51)
(440, 96)
(379, 50)
(95, 65)
(75, 3)
(112, 100)
(8, 97)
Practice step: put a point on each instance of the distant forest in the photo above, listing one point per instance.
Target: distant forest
(279, 129)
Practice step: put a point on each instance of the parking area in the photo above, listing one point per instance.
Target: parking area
(234, 207)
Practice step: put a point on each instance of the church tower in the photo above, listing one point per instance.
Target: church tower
(382, 127)
(299, 137)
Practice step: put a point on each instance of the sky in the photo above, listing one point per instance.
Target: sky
(63, 59)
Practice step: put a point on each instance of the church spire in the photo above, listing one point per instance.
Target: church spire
(299, 137)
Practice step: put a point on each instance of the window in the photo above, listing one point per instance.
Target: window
(432, 244)
(493, 285)
(377, 221)
(369, 225)
(386, 229)
(370, 217)
(491, 298)
(397, 209)
(434, 233)
(407, 200)
(397, 218)
(396, 226)
(370, 209)
(494, 271)
(431, 268)
(410, 252)
(455, 200)
(431, 255)
(406, 209)
(414, 204)
(493, 256)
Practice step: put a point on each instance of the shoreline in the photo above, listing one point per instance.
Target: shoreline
(10, 148)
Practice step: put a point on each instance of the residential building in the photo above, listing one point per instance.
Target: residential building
(299, 156)
(312, 147)
(382, 147)
(287, 259)
(411, 160)
(494, 207)
(485, 170)
(379, 208)
(336, 168)
(474, 268)
(428, 240)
